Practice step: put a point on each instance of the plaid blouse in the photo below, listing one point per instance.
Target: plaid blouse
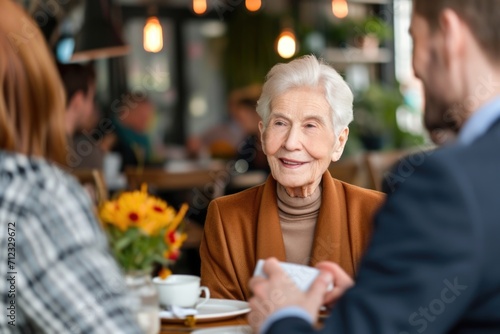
(57, 275)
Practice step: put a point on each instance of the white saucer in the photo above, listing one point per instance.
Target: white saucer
(213, 310)
(225, 330)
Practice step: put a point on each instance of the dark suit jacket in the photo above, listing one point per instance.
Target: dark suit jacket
(434, 262)
(245, 227)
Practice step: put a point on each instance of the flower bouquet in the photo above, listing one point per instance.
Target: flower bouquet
(143, 231)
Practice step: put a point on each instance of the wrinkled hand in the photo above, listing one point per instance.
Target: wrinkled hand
(279, 291)
(341, 281)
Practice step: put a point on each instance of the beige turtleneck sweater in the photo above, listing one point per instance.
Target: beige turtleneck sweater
(298, 218)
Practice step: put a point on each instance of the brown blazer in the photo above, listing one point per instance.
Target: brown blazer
(245, 227)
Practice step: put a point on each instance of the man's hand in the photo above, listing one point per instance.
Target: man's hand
(279, 291)
(341, 281)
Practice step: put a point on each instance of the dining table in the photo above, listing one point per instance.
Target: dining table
(173, 328)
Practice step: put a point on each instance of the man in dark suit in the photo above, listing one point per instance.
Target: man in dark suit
(433, 264)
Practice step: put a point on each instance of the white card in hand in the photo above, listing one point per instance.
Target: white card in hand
(303, 276)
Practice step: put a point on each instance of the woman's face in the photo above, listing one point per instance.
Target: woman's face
(299, 140)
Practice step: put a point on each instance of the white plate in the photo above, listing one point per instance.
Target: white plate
(225, 330)
(215, 309)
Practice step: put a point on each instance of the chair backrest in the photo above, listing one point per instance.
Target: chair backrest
(93, 181)
(346, 170)
(379, 164)
(161, 179)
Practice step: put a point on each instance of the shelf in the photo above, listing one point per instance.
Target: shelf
(356, 55)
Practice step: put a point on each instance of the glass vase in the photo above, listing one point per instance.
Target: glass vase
(145, 301)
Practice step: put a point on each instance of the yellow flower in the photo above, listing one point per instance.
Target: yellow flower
(142, 228)
(159, 216)
(178, 219)
(175, 240)
(108, 214)
(164, 273)
(126, 211)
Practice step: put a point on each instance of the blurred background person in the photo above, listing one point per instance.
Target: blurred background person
(226, 140)
(250, 149)
(133, 142)
(80, 87)
(65, 279)
(251, 166)
(86, 150)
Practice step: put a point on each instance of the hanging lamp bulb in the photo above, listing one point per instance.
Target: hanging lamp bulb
(153, 35)
(199, 6)
(253, 5)
(287, 44)
(340, 8)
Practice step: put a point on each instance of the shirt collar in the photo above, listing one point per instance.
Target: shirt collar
(480, 121)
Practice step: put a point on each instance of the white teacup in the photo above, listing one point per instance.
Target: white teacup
(181, 290)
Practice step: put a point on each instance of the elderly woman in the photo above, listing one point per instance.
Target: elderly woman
(301, 214)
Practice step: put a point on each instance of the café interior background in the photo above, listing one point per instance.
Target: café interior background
(205, 50)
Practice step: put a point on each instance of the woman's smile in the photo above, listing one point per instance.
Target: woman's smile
(292, 164)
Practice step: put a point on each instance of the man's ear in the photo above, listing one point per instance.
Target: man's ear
(77, 101)
(340, 144)
(261, 130)
(454, 34)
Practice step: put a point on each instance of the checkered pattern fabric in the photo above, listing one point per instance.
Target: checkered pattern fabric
(64, 279)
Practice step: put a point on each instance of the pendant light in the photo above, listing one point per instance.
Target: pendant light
(340, 8)
(153, 35)
(200, 6)
(253, 5)
(286, 45)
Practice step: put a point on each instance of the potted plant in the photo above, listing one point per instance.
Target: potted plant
(373, 29)
(375, 121)
(340, 33)
(365, 33)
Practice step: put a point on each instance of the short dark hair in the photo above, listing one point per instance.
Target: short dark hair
(482, 17)
(248, 102)
(76, 77)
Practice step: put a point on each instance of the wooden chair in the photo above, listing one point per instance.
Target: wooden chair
(161, 179)
(379, 164)
(93, 181)
(350, 170)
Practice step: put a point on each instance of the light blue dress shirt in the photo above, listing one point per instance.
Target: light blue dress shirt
(479, 123)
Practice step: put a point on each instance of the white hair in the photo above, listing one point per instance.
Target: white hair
(308, 71)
